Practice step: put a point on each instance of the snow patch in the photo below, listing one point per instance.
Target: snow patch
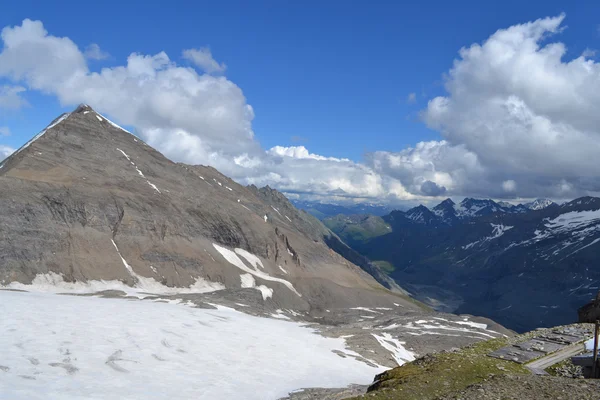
(395, 347)
(119, 349)
(497, 231)
(472, 324)
(247, 281)
(232, 258)
(251, 258)
(365, 309)
(127, 266)
(266, 291)
(276, 210)
(125, 154)
(54, 283)
(114, 125)
(153, 186)
(279, 315)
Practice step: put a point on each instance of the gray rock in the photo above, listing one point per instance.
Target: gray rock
(86, 182)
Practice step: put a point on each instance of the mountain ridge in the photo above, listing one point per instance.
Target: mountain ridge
(88, 201)
(485, 262)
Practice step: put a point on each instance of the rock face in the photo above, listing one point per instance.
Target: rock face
(88, 201)
(591, 311)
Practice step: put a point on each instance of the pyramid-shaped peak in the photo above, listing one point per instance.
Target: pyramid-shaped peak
(446, 203)
(82, 108)
(82, 133)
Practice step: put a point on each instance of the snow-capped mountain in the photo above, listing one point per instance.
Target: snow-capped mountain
(477, 207)
(539, 204)
(446, 211)
(449, 213)
(487, 258)
(420, 215)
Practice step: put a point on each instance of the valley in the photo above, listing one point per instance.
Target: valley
(524, 266)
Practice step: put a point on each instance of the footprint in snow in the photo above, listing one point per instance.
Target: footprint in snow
(71, 369)
(4, 368)
(112, 361)
(33, 360)
(172, 333)
(219, 317)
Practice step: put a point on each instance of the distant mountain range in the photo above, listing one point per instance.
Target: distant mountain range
(324, 210)
(525, 265)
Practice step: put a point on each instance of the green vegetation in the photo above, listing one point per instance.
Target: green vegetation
(386, 266)
(357, 229)
(443, 374)
(552, 370)
(316, 213)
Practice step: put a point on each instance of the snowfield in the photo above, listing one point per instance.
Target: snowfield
(84, 347)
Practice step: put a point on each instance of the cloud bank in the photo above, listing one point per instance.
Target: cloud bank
(517, 119)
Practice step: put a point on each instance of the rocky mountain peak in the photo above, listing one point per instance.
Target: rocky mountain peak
(420, 215)
(539, 204)
(470, 207)
(446, 203)
(86, 201)
(582, 204)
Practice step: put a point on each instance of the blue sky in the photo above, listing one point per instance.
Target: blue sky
(331, 76)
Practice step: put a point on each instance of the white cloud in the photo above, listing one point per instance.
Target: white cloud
(588, 53)
(300, 152)
(5, 151)
(10, 97)
(525, 111)
(44, 62)
(411, 98)
(94, 52)
(203, 59)
(190, 117)
(450, 167)
(4, 131)
(516, 115)
(509, 186)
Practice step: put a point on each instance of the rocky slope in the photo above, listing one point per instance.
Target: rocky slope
(484, 258)
(87, 201)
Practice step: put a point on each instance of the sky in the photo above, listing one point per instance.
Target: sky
(360, 101)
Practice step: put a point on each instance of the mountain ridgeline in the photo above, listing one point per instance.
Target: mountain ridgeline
(87, 203)
(525, 266)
